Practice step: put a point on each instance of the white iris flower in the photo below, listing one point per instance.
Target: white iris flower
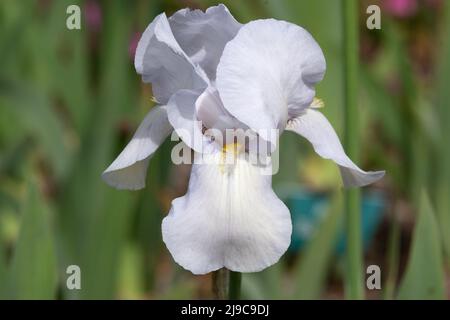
(205, 66)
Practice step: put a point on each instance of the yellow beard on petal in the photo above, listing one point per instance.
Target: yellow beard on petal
(233, 148)
(229, 155)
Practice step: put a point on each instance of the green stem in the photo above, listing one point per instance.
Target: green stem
(220, 280)
(234, 291)
(226, 284)
(354, 280)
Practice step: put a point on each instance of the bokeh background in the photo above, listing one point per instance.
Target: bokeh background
(70, 100)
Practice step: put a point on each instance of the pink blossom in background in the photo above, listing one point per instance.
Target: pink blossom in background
(93, 15)
(133, 44)
(401, 8)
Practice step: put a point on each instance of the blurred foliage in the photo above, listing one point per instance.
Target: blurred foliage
(425, 258)
(70, 100)
(33, 267)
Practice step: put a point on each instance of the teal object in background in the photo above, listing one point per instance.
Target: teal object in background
(372, 209)
(309, 208)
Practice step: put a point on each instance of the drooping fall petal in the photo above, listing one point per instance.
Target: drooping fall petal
(230, 217)
(316, 129)
(129, 169)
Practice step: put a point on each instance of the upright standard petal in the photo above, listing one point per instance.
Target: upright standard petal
(212, 113)
(316, 129)
(161, 62)
(226, 129)
(267, 73)
(129, 169)
(230, 217)
(203, 35)
(183, 118)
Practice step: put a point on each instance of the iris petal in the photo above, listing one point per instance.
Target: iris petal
(203, 35)
(212, 113)
(161, 62)
(183, 118)
(267, 72)
(316, 129)
(129, 169)
(230, 217)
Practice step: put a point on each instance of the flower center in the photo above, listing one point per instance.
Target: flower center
(230, 153)
(233, 148)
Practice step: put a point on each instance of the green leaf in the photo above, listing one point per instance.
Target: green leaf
(3, 273)
(424, 277)
(102, 255)
(105, 214)
(32, 112)
(443, 154)
(180, 290)
(131, 274)
(266, 284)
(313, 268)
(33, 268)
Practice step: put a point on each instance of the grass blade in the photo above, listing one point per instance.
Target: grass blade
(33, 269)
(424, 277)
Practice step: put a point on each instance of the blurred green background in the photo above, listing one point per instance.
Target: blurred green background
(70, 100)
